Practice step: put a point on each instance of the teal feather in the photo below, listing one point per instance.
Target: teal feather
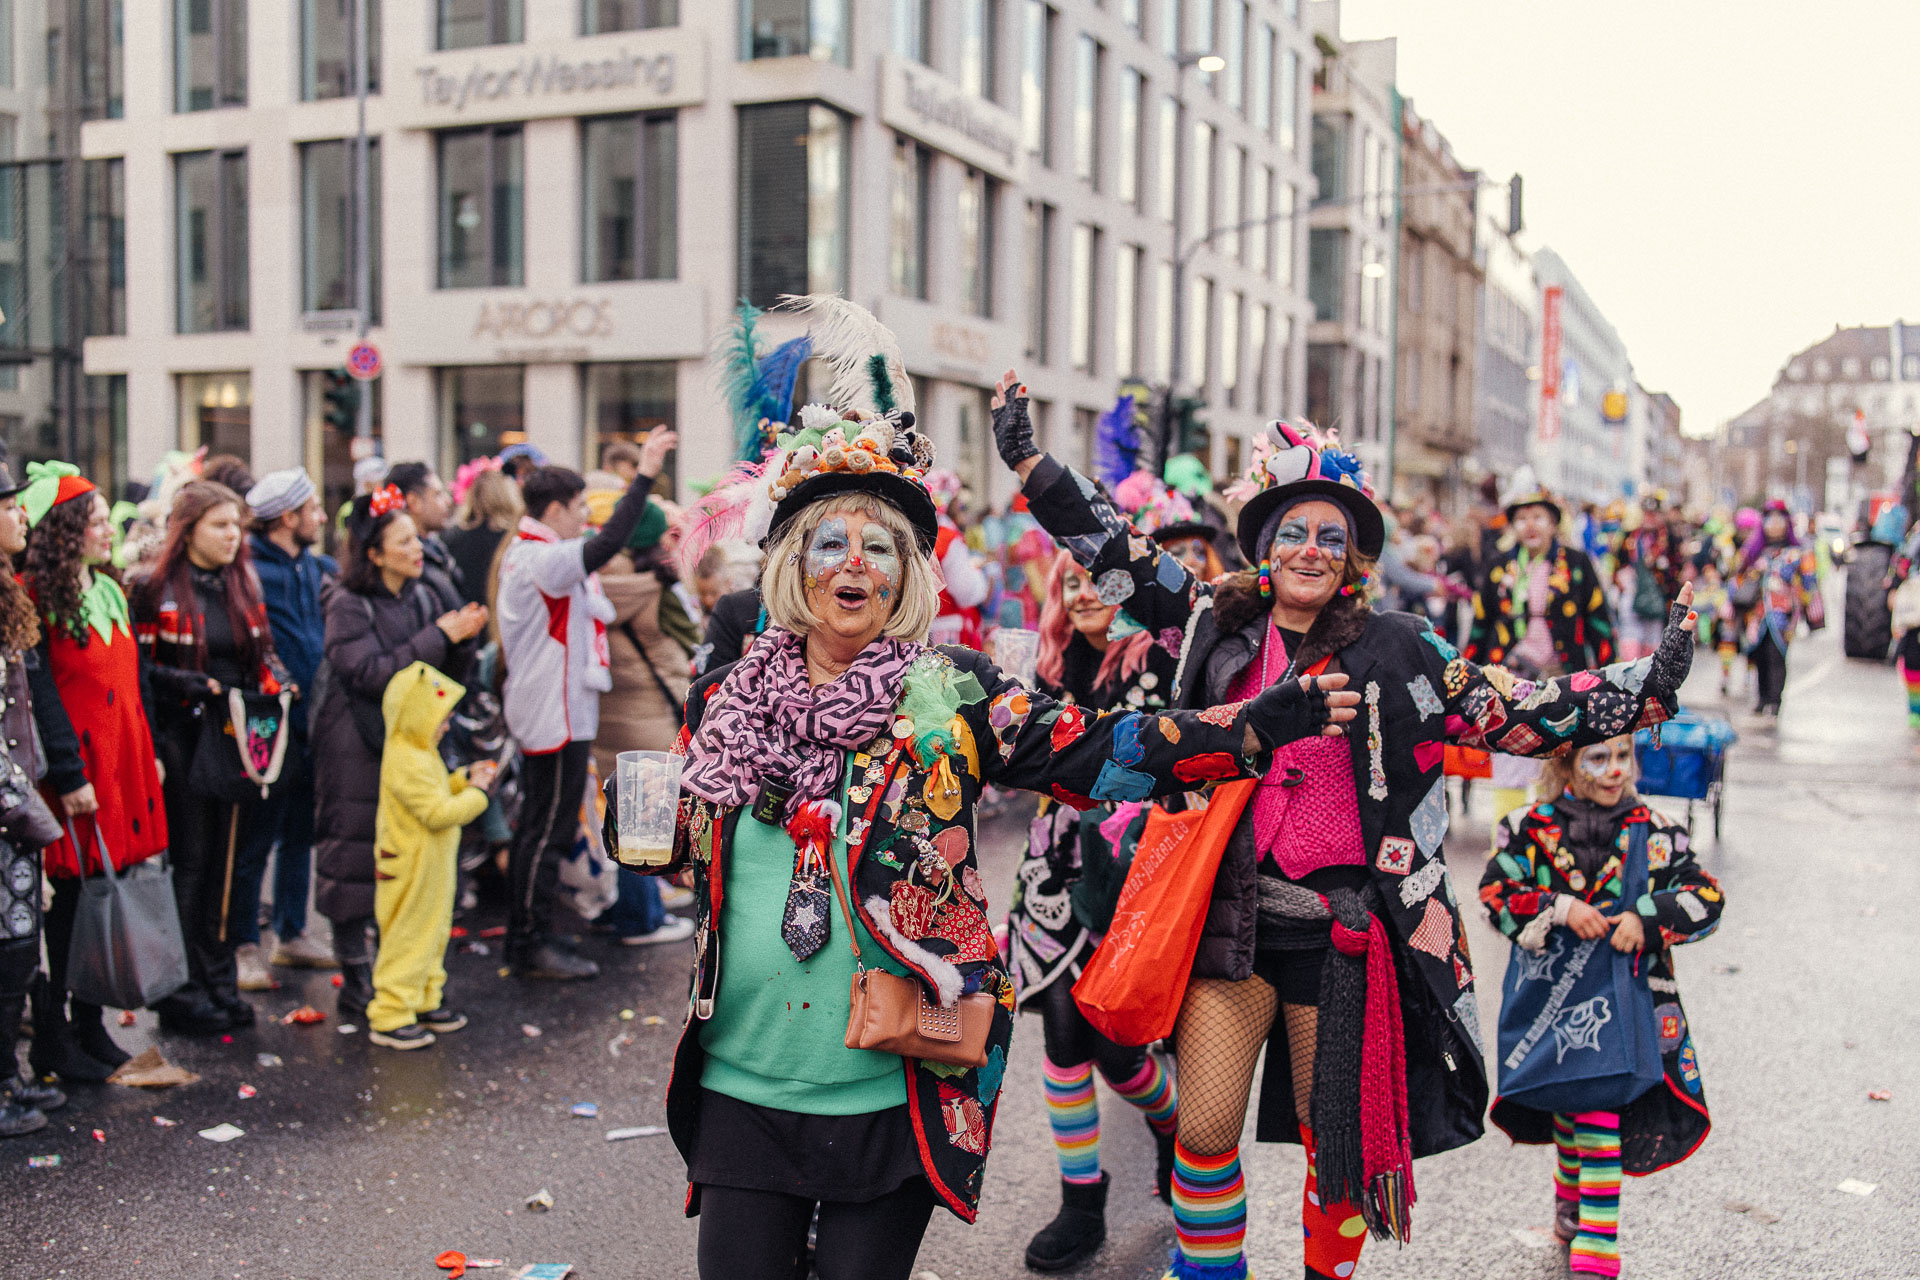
(883, 397)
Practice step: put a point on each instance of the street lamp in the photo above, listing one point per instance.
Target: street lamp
(1209, 62)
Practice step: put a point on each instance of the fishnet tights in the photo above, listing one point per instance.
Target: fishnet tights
(1222, 1026)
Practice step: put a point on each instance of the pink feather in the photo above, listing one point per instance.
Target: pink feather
(719, 517)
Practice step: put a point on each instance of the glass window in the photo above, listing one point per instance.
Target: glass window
(209, 54)
(103, 431)
(1416, 279)
(1326, 272)
(1130, 14)
(1199, 324)
(1036, 86)
(1201, 36)
(1086, 110)
(6, 44)
(104, 239)
(468, 24)
(907, 256)
(481, 182)
(1257, 354)
(210, 224)
(793, 201)
(1200, 219)
(1170, 27)
(979, 42)
(979, 198)
(1263, 39)
(1287, 239)
(911, 20)
(216, 411)
(1085, 252)
(326, 224)
(1325, 403)
(482, 411)
(1260, 230)
(1133, 92)
(1329, 157)
(598, 17)
(626, 402)
(1231, 215)
(1234, 49)
(795, 28)
(327, 52)
(1230, 348)
(100, 53)
(1288, 100)
(1126, 311)
(1169, 180)
(1039, 271)
(630, 198)
(1163, 321)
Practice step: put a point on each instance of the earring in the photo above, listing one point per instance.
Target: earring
(1266, 580)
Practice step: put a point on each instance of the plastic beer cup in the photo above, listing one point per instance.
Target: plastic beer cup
(649, 801)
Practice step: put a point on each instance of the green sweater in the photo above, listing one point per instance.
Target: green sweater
(777, 1037)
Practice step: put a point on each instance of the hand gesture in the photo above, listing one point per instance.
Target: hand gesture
(1012, 429)
(653, 453)
(1300, 709)
(463, 623)
(1674, 658)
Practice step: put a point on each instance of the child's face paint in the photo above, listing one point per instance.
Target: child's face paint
(1601, 772)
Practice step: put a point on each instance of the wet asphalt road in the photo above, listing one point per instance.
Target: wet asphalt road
(360, 1162)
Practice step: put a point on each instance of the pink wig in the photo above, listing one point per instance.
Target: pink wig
(1123, 659)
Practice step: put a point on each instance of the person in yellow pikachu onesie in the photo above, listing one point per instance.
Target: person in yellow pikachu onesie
(417, 841)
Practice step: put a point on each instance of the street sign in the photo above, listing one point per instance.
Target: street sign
(363, 362)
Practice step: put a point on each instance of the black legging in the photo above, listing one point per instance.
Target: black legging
(762, 1235)
(552, 786)
(203, 839)
(1072, 1040)
(1769, 670)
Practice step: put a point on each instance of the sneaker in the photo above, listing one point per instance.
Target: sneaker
(552, 963)
(17, 1121)
(675, 929)
(674, 898)
(441, 1021)
(302, 952)
(254, 974)
(411, 1036)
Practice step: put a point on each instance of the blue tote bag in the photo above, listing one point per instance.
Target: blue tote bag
(1577, 1030)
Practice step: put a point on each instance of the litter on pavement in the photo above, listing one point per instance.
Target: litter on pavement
(540, 1201)
(544, 1271)
(640, 1131)
(306, 1015)
(164, 1123)
(1880, 1095)
(1855, 1187)
(585, 1110)
(457, 1264)
(151, 1071)
(1753, 1211)
(223, 1132)
(530, 1031)
(248, 1091)
(99, 1135)
(43, 1162)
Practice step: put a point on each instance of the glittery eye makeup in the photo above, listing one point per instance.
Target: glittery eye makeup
(827, 552)
(881, 554)
(1595, 761)
(1331, 537)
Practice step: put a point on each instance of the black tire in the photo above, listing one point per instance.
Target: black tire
(1868, 627)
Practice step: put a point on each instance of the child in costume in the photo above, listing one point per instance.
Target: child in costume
(417, 839)
(1557, 870)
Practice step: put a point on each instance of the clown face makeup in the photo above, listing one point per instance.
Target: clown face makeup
(1602, 772)
(1309, 555)
(1082, 602)
(852, 574)
(1190, 552)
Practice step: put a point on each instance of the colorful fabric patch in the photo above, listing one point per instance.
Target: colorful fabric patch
(1123, 626)
(975, 887)
(1581, 681)
(1427, 756)
(1169, 573)
(1501, 679)
(912, 909)
(1652, 714)
(1117, 783)
(1073, 799)
(1696, 910)
(1069, 728)
(1170, 639)
(1609, 712)
(1127, 747)
(1628, 675)
(1435, 934)
(1539, 695)
(1466, 1012)
(1169, 729)
(1521, 741)
(1115, 586)
(1006, 714)
(1659, 850)
(966, 1122)
(1462, 976)
(952, 844)
(1455, 677)
(1208, 767)
(1429, 820)
(1439, 644)
(1395, 856)
(1564, 726)
(1222, 716)
(991, 1075)
(1425, 698)
(1672, 1024)
(965, 926)
(1419, 886)
(1689, 1067)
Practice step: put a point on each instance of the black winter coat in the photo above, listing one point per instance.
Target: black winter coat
(370, 639)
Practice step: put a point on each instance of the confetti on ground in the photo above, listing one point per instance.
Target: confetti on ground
(585, 1110)
(530, 1031)
(540, 1201)
(619, 1042)
(346, 1028)
(305, 1016)
(126, 1017)
(494, 931)
(626, 1015)
(640, 1131)
(1880, 1095)
(338, 980)
(248, 1091)
(43, 1162)
(165, 1123)
(223, 1132)
(1855, 1187)
(99, 1135)
(268, 1060)
(652, 1020)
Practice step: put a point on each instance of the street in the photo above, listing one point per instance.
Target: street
(358, 1162)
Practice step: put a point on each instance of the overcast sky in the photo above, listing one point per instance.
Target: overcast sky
(1728, 179)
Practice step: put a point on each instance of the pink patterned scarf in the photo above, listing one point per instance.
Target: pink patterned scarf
(765, 721)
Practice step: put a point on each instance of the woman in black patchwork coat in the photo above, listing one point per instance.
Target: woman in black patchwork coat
(1332, 914)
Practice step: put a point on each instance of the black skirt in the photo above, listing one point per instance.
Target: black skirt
(851, 1159)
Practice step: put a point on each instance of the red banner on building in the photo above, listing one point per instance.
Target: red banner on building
(1550, 362)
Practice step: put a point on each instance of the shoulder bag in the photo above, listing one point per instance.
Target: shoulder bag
(242, 744)
(126, 951)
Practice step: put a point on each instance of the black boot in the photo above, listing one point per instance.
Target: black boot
(1163, 1171)
(92, 1036)
(356, 988)
(1076, 1231)
(17, 1121)
(15, 1084)
(54, 1051)
(188, 1012)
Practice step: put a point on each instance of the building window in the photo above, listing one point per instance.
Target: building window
(1258, 318)
(104, 248)
(1326, 272)
(1234, 49)
(482, 411)
(1169, 141)
(907, 257)
(1231, 215)
(1325, 401)
(469, 24)
(100, 53)
(1263, 39)
(1036, 85)
(1084, 256)
(793, 201)
(1200, 213)
(631, 198)
(216, 412)
(1163, 321)
(979, 44)
(1039, 272)
(327, 174)
(1286, 245)
(1288, 101)
(482, 178)
(814, 29)
(1230, 348)
(1202, 37)
(979, 201)
(209, 54)
(210, 191)
(1260, 228)
(1086, 110)
(911, 20)
(1133, 94)
(597, 17)
(327, 48)
(6, 44)
(1126, 310)
(1170, 28)
(625, 402)
(1130, 14)
(103, 430)
(1199, 329)
(1329, 158)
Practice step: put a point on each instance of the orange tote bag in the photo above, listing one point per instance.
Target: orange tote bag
(1132, 988)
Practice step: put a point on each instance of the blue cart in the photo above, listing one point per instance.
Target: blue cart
(1690, 763)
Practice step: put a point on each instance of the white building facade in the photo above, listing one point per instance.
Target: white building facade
(568, 198)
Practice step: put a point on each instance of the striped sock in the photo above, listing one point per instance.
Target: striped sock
(1334, 1234)
(1566, 1165)
(1152, 1090)
(1912, 678)
(1074, 1113)
(1596, 1250)
(1209, 1216)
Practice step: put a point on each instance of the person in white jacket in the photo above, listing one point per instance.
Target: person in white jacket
(553, 639)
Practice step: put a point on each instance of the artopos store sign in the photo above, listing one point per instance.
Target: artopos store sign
(626, 72)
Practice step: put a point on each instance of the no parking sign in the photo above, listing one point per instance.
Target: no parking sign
(363, 362)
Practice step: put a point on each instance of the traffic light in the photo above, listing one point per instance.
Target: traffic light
(1189, 429)
(1514, 220)
(340, 401)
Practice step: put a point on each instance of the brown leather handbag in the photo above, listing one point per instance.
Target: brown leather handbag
(893, 1014)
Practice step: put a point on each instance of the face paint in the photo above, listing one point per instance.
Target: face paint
(1330, 537)
(1595, 761)
(827, 552)
(881, 554)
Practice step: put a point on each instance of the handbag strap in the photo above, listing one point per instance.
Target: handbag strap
(1635, 875)
(80, 853)
(854, 848)
(674, 705)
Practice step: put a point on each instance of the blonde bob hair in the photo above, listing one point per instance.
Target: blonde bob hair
(783, 587)
(1557, 772)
